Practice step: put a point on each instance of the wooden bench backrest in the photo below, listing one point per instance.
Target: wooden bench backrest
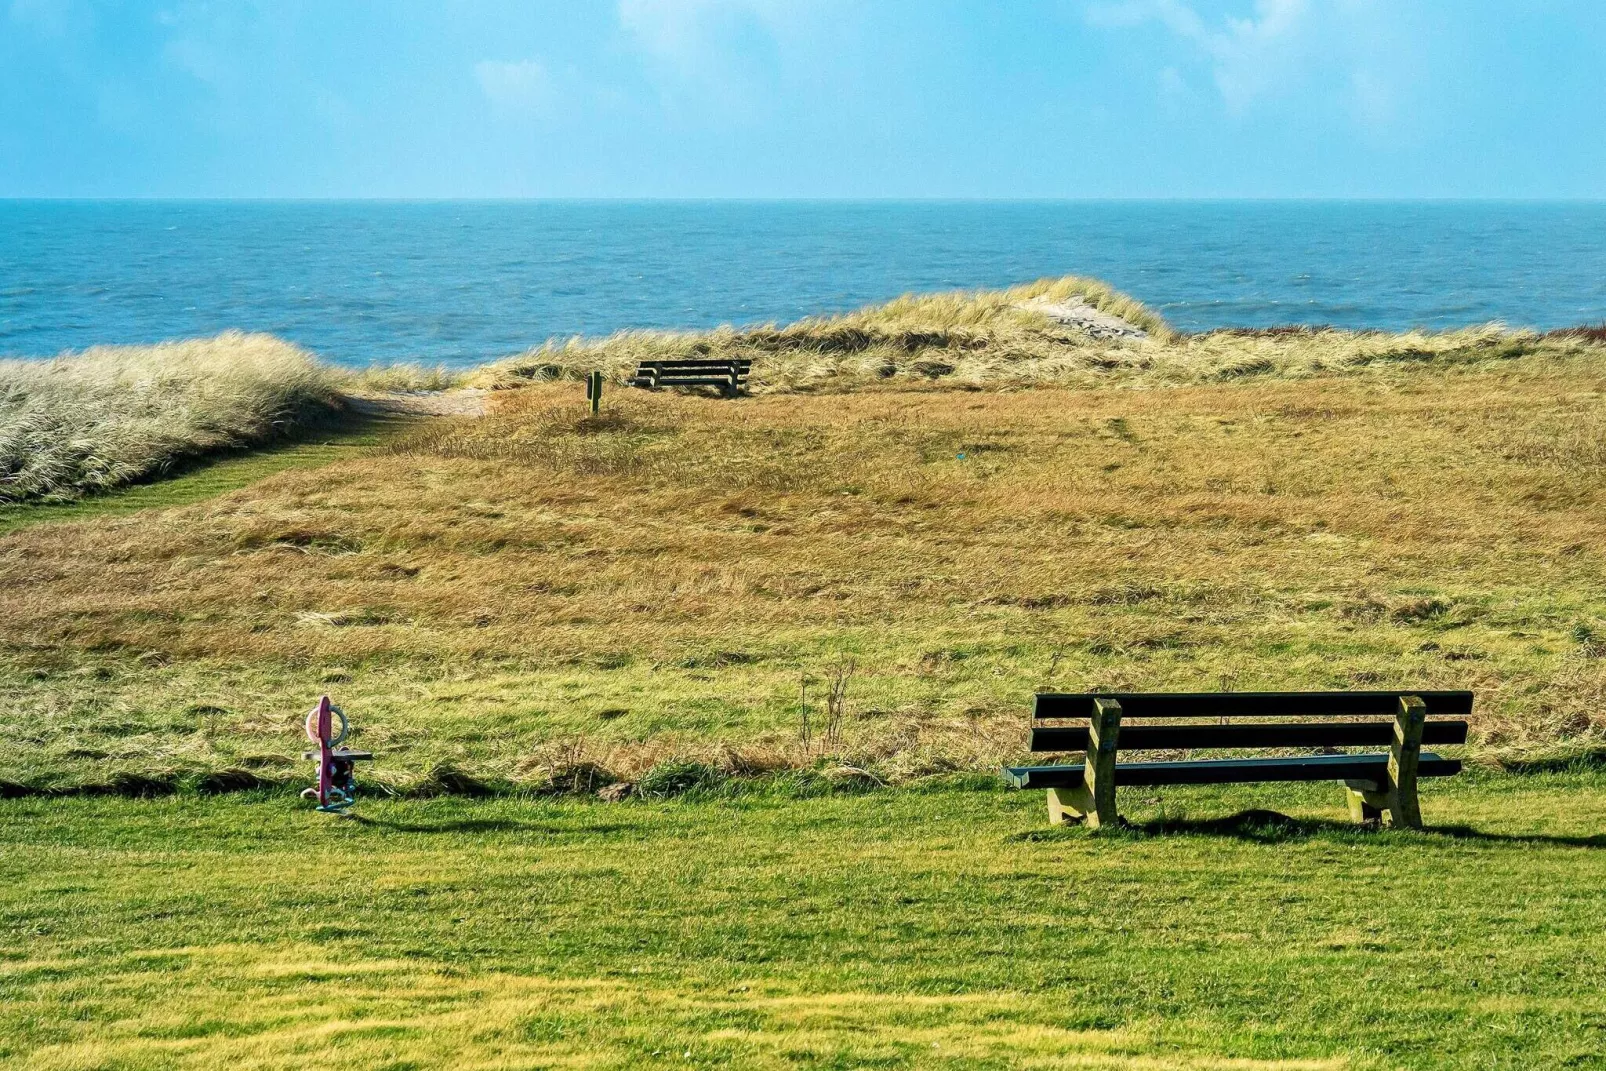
(706, 365)
(1438, 729)
(1248, 704)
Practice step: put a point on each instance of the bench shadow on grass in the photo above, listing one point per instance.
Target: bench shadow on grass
(482, 825)
(1272, 827)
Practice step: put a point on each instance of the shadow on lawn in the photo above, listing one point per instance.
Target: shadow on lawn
(481, 825)
(1272, 827)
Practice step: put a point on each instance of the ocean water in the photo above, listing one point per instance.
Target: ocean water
(462, 282)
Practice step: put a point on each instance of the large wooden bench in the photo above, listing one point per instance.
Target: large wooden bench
(1375, 783)
(728, 375)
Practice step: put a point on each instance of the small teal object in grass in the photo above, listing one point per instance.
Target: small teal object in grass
(961, 457)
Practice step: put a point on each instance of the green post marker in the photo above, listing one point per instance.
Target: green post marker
(594, 391)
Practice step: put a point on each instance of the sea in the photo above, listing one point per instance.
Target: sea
(460, 282)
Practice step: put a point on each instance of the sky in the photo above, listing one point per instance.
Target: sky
(803, 98)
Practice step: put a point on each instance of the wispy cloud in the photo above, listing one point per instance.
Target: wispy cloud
(683, 31)
(517, 85)
(1248, 56)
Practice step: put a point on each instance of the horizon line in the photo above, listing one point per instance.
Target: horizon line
(357, 199)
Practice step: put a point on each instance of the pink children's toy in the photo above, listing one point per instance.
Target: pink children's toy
(337, 783)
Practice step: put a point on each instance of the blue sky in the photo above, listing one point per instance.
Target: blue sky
(803, 98)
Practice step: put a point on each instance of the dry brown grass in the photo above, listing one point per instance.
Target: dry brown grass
(539, 588)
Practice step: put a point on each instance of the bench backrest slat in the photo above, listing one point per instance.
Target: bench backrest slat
(1247, 735)
(696, 366)
(1249, 704)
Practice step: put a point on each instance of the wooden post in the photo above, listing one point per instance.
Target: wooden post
(594, 391)
(1396, 795)
(1404, 755)
(1093, 799)
(1067, 805)
(1098, 776)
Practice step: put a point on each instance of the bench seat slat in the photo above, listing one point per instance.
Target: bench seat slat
(1246, 736)
(1249, 704)
(1232, 771)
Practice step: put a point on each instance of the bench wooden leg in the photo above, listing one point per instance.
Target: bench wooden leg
(1068, 805)
(1396, 797)
(1366, 802)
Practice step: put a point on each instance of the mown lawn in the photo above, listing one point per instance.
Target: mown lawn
(937, 925)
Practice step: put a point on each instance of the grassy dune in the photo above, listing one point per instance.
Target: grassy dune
(539, 599)
(1003, 339)
(113, 415)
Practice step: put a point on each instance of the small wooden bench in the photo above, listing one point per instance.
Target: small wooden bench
(730, 376)
(1375, 784)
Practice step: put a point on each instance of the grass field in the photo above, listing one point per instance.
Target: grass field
(939, 926)
(931, 509)
(519, 595)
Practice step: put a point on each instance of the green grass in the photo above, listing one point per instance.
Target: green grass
(943, 926)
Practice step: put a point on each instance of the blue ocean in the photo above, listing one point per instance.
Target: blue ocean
(463, 282)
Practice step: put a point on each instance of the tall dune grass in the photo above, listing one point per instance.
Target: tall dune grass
(112, 415)
(1003, 338)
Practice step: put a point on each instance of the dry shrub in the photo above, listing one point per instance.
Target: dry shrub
(563, 768)
(403, 377)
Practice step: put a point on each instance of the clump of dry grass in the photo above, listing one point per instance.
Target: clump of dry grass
(115, 414)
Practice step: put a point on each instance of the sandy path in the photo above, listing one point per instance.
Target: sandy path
(469, 401)
(1079, 314)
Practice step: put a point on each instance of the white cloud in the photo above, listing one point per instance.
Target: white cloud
(1173, 88)
(518, 85)
(1248, 56)
(680, 31)
(198, 58)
